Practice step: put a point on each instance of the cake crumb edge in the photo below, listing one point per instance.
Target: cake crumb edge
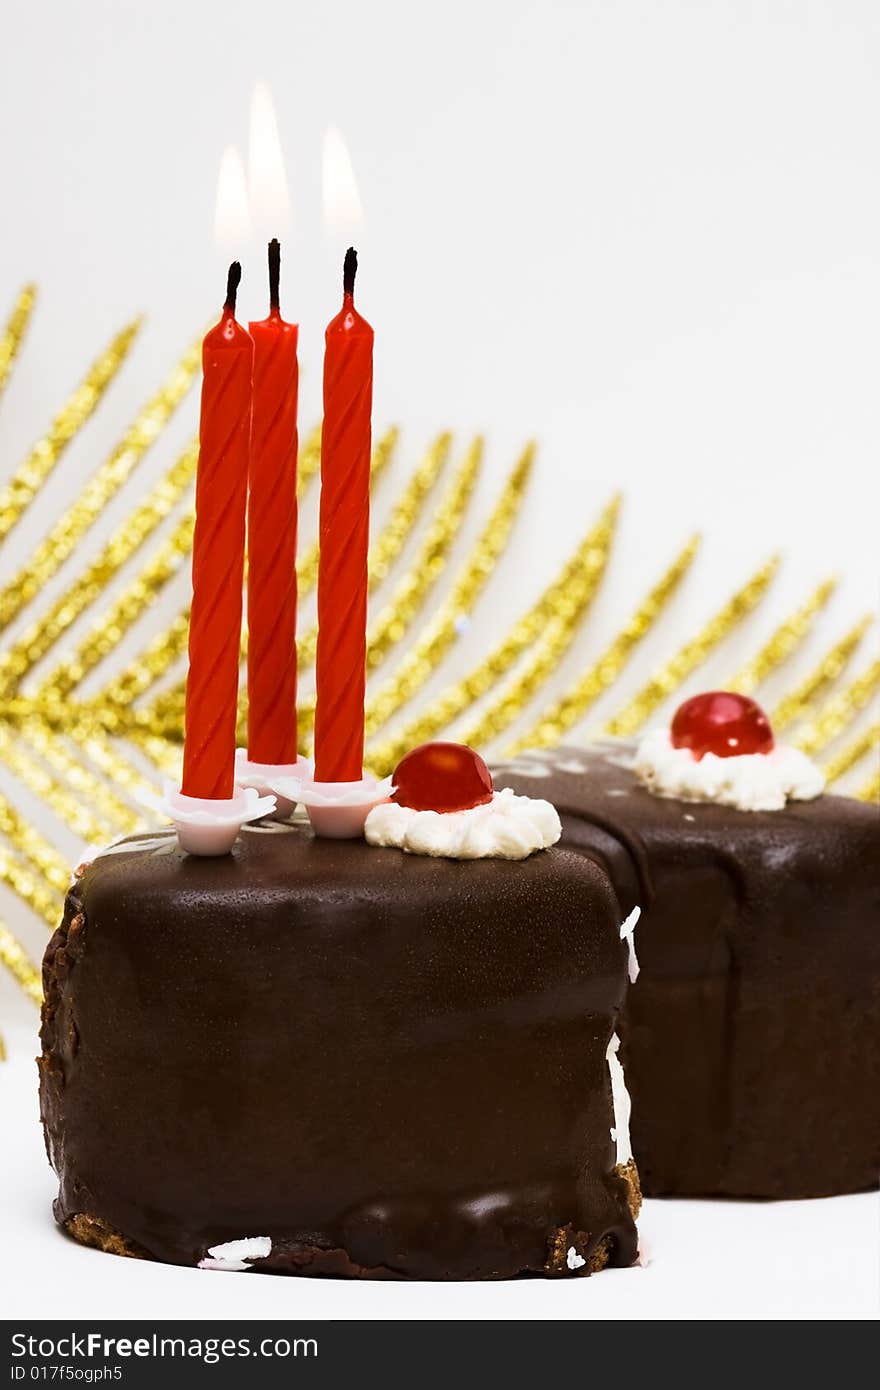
(92, 1231)
(629, 1175)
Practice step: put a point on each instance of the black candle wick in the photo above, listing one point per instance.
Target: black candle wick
(274, 274)
(233, 280)
(349, 270)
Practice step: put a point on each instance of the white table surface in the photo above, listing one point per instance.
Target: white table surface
(701, 1260)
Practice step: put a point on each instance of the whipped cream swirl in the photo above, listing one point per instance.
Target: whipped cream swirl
(507, 827)
(748, 781)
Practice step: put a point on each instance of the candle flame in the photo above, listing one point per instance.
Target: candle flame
(343, 213)
(232, 221)
(267, 177)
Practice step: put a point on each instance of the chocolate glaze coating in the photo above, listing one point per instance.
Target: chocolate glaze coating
(752, 1038)
(393, 1066)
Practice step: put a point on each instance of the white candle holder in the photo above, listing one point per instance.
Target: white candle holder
(262, 778)
(209, 827)
(337, 810)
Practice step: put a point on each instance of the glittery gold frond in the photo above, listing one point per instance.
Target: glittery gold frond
(784, 641)
(14, 331)
(309, 460)
(852, 753)
(441, 631)
(42, 634)
(870, 790)
(574, 602)
(32, 889)
(26, 482)
(396, 616)
(167, 756)
(571, 707)
(96, 760)
(393, 536)
(838, 713)
(111, 626)
(60, 799)
(396, 530)
(800, 700)
(669, 678)
(456, 699)
(30, 844)
(74, 774)
(118, 770)
(156, 658)
(20, 965)
(307, 562)
(106, 482)
(392, 621)
(164, 714)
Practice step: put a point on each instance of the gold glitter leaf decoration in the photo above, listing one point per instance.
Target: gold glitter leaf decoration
(73, 772)
(870, 790)
(852, 753)
(669, 678)
(307, 561)
(393, 536)
(26, 482)
(440, 634)
(837, 715)
(41, 635)
(571, 707)
(110, 627)
(14, 331)
(391, 623)
(798, 702)
(309, 461)
(99, 748)
(62, 540)
(96, 761)
(20, 966)
(456, 699)
(784, 641)
(573, 603)
(57, 794)
(39, 896)
(31, 845)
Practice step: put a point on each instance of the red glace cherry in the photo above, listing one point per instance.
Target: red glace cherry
(442, 777)
(723, 723)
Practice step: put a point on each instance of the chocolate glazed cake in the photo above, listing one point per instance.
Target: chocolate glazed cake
(752, 1040)
(320, 1057)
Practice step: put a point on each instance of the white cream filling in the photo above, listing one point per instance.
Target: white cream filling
(627, 934)
(236, 1255)
(748, 781)
(620, 1099)
(507, 827)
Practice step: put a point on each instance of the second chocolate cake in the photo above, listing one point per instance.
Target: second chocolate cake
(752, 1039)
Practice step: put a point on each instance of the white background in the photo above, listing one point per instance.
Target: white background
(644, 233)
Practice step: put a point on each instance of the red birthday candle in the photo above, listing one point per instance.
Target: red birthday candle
(340, 667)
(218, 554)
(272, 517)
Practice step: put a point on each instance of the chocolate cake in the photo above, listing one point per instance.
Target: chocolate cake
(752, 1040)
(319, 1057)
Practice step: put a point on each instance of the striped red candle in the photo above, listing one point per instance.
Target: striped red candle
(218, 555)
(272, 522)
(344, 528)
